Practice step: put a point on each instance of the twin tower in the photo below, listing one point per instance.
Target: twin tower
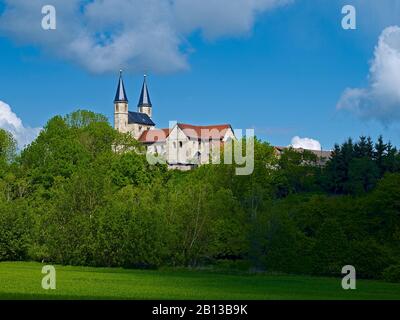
(126, 121)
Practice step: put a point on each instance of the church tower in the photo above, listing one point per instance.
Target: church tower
(144, 105)
(121, 107)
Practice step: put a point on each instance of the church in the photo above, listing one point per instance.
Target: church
(182, 146)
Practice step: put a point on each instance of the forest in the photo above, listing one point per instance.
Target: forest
(68, 198)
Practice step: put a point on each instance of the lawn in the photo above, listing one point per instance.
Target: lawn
(21, 280)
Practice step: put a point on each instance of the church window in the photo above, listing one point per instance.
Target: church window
(180, 144)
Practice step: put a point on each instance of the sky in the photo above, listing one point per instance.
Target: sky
(286, 68)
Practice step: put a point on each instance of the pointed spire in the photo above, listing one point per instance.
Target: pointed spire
(144, 99)
(120, 96)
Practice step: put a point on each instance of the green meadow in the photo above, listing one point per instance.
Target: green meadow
(22, 280)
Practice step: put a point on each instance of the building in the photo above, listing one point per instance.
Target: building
(183, 146)
(322, 156)
(129, 121)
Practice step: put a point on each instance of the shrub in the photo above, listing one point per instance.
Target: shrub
(14, 232)
(369, 258)
(392, 273)
(330, 250)
(226, 265)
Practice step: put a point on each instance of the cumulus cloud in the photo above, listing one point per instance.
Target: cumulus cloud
(381, 99)
(384, 13)
(221, 18)
(305, 143)
(9, 121)
(105, 35)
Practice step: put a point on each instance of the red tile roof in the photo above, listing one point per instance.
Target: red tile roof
(213, 132)
(156, 135)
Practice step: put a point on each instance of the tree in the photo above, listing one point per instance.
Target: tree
(362, 177)
(355, 168)
(299, 170)
(15, 226)
(83, 193)
(8, 147)
(282, 247)
(383, 206)
(330, 250)
(379, 155)
(337, 168)
(369, 258)
(391, 162)
(84, 118)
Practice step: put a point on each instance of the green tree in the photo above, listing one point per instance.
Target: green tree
(330, 250)
(15, 230)
(8, 147)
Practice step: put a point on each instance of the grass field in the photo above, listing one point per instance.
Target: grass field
(21, 280)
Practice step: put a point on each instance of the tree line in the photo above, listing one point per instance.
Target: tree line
(72, 197)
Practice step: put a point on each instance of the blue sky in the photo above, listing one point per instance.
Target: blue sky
(283, 76)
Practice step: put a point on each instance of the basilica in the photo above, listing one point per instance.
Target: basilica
(183, 146)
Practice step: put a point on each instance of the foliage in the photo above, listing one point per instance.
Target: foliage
(392, 273)
(14, 231)
(355, 168)
(8, 147)
(330, 249)
(84, 194)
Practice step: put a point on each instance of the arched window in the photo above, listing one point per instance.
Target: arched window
(180, 144)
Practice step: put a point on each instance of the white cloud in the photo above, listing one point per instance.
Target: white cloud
(10, 122)
(105, 35)
(374, 16)
(305, 143)
(381, 99)
(222, 17)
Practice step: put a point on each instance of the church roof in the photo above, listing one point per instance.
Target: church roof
(156, 135)
(213, 132)
(139, 118)
(121, 96)
(144, 99)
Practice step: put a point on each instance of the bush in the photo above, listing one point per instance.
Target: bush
(330, 250)
(226, 265)
(278, 246)
(392, 273)
(368, 258)
(14, 232)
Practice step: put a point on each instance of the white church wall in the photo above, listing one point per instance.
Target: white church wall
(177, 144)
